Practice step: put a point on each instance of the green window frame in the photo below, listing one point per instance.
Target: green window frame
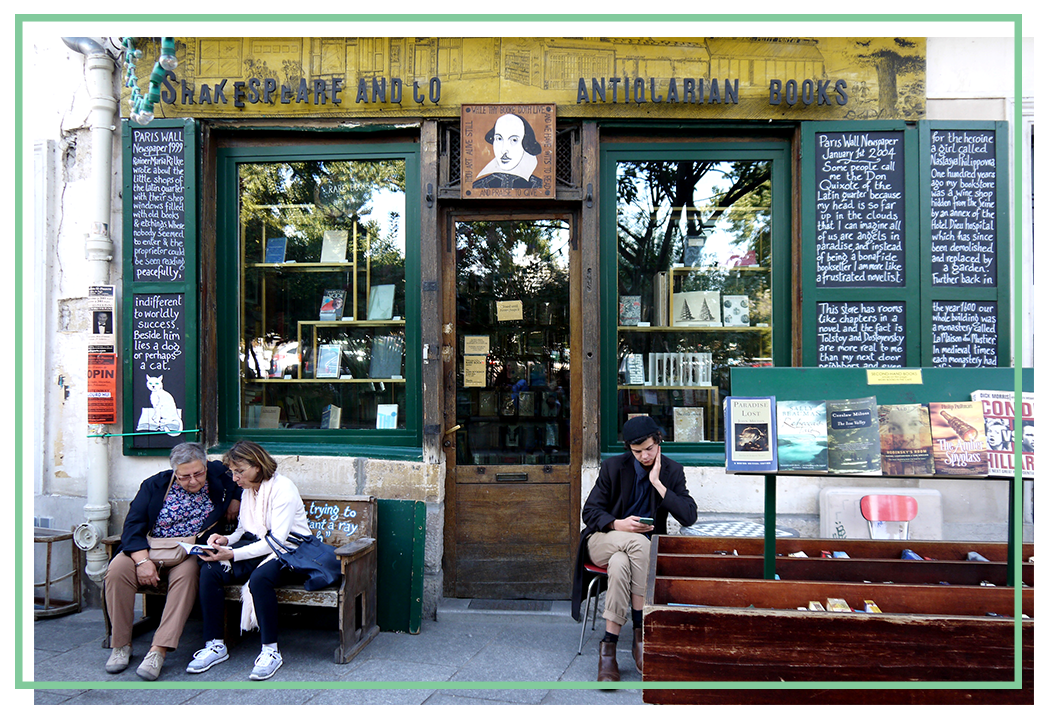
(778, 153)
(402, 443)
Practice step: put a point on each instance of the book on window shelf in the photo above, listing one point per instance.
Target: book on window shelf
(635, 369)
(735, 310)
(332, 306)
(335, 244)
(905, 440)
(693, 251)
(487, 404)
(387, 414)
(380, 302)
(958, 438)
(802, 437)
(999, 418)
(751, 433)
(630, 310)
(689, 425)
(328, 364)
(386, 357)
(331, 417)
(698, 308)
(269, 417)
(854, 436)
(275, 250)
(660, 310)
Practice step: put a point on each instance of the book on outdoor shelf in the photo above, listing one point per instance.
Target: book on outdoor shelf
(802, 437)
(630, 309)
(751, 434)
(332, 306)
(335, 243)
(905, 440)
(328, 364)
(331, 417)
(999, 419)
(958, 441)
(275, 250)
(854, 436)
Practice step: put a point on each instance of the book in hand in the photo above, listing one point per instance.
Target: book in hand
(195, 549)
(905, 440)
(958, 441)
(854, 436)
(751, 434)
(332, 306)
(802, 437)
(999, 419)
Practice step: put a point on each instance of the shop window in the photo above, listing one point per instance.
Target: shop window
(691, 236)
(320, 346)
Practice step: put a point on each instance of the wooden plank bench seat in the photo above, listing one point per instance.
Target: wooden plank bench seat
(708, 619)
(349, 525)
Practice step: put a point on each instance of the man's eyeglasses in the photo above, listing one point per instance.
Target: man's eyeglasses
(196, 476)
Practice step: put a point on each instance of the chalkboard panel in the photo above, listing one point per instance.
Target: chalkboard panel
(158, 182)
(963, 208)
(964, 334)
(860, 209)
(159, 367)
(866, 334)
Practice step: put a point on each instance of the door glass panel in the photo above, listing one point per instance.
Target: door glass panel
(322, 313)
(513, 342)
(694, 285)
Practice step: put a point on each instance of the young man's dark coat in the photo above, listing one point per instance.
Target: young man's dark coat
(609, 501)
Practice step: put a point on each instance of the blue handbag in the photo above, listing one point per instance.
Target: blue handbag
(309, 556)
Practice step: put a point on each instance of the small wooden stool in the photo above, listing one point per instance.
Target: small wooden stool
(48, 606)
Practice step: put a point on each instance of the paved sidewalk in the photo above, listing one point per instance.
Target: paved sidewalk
(462, 646)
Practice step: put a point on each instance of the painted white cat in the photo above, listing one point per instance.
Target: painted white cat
(167, 416)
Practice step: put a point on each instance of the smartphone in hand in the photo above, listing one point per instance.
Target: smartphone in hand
(645, 521)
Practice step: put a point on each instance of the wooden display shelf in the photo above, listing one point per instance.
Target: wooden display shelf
(703, 624)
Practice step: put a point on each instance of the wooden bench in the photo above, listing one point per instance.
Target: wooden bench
(712, 617)
(351, 527)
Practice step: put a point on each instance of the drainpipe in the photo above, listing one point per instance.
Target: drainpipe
(99, 251)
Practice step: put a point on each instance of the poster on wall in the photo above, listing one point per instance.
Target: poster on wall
(508, 151)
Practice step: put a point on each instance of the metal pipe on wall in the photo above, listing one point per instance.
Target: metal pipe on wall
(99, 251)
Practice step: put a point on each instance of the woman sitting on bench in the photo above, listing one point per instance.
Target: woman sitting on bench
(270, 503)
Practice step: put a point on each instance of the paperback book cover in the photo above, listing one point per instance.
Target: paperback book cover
(905, 440)
(854, 436)
(331, 417)
(696, 308)
(380, 302)
(328, 364)
(335, 243)
(387, 414)
(999, 419)
(689, 425)
(958, 442)
(630, 309)
(751, 434)
(661, 316)
(386, 357)
(275, 250)
(735, 310)
(333, 305)
(802, 437)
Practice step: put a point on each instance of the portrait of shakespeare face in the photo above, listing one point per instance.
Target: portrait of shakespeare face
(515, 146)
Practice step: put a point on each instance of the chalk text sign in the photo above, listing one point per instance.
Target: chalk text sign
(964, 334)
(860, 209)
(157, 207)
(861, 334)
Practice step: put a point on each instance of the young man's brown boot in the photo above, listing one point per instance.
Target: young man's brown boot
(607, 668)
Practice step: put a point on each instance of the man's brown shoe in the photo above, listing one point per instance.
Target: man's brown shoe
(607, 668)
(636, 649)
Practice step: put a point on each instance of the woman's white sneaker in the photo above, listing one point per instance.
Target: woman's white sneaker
(204, 659)
(266, 665)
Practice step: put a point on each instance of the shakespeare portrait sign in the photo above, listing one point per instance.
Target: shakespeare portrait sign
(508, 151)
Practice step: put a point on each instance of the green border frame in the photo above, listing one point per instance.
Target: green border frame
(188, 287)
(935, 24)
(709, 453)
(402, 444)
